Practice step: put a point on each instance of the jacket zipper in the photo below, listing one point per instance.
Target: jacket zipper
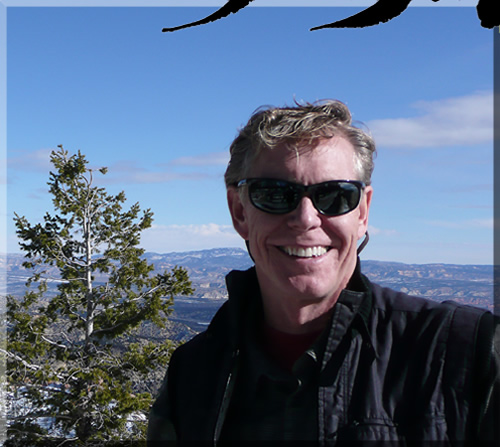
(226, 397)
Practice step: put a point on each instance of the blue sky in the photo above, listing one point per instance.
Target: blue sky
(160, 111)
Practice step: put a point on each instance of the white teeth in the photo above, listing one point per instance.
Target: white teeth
(309, 252)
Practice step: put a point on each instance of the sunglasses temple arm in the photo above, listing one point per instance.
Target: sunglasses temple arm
(363, 244)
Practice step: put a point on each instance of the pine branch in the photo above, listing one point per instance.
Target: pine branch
(53, 343)
(20, 360)
(124, 323)
(130, 300)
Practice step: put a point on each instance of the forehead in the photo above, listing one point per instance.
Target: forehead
(329, 159)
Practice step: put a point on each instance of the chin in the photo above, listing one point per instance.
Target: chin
(312, 290)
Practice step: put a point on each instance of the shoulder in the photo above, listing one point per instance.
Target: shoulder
(428, 320)
(223, 331)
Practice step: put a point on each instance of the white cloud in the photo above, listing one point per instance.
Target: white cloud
(465, 224)
(122, 171)
(465, 120)
(143, 176)
(38, 160)
(210, 159)
(129, 172)
(378, 231)
(168, 238)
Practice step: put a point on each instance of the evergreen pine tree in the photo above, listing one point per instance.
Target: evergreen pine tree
(75, 360)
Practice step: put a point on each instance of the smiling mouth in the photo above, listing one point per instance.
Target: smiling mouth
(309, 252)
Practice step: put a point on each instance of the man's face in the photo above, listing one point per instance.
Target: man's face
(285, 276)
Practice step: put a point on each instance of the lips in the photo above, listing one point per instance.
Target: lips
(305, 252)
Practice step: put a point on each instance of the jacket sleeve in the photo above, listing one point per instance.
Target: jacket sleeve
(488, 379)
(160, 425)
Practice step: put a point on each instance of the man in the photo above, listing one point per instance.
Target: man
(306, 348)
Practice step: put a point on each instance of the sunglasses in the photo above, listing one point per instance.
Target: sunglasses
(332, 198)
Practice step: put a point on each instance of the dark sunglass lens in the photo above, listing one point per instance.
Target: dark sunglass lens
(334, 199)
(273, 196)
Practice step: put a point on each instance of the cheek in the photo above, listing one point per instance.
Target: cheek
(339, 224)
(259, 228)
(264, 230)
(344, 229)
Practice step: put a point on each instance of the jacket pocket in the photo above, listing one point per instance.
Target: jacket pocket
(417, 433)
(371, 429)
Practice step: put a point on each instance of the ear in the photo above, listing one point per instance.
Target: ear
(364, 211)
(237, 210)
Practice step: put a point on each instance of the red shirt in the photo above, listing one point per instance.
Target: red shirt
(286, 348)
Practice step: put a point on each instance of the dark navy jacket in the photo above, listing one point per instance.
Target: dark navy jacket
(393, 368)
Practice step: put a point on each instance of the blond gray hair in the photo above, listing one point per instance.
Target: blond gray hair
(298, 126)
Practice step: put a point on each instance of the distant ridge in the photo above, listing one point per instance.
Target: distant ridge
(468, 284)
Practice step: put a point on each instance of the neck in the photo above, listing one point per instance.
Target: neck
(298, 318)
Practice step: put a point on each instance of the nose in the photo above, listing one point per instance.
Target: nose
(305, 216)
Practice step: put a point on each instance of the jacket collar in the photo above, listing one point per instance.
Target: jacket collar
(350, 313)
(357, 296)
(352, 308)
